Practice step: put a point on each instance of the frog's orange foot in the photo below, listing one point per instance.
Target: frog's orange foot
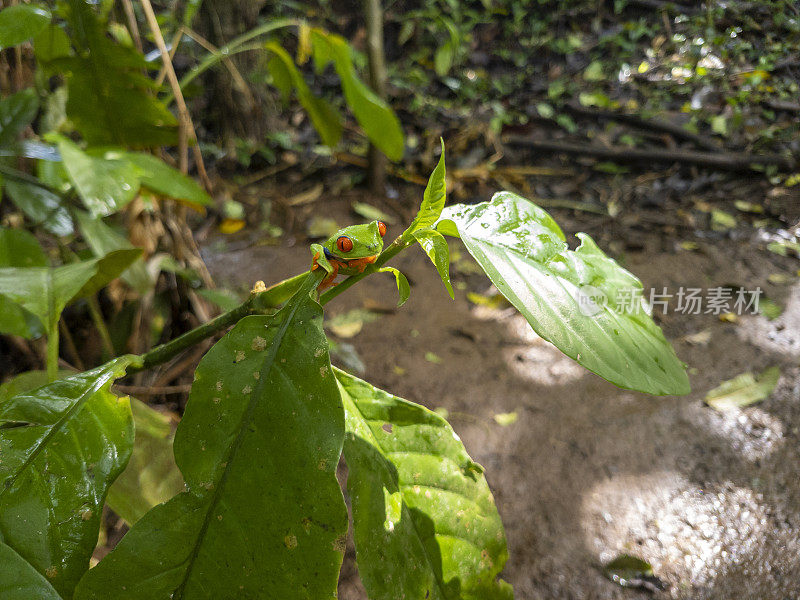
(362, 263)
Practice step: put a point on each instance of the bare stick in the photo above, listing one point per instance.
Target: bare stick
(187, 132)
(676, 131)
(133, 27)
(176, 40)
(377, 81)
(236, 76)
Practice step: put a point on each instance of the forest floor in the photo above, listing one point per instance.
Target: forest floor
(588, 471)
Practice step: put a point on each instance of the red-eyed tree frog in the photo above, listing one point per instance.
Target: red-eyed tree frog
(348, 251)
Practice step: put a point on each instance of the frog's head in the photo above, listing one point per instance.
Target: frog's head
(358, 241)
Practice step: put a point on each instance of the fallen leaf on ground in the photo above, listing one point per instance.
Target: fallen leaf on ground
(506, 419)
(633, 572)
(743, 390)
(372, 213)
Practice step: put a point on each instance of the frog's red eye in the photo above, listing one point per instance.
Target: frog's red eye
(382, 228)
(344, 243)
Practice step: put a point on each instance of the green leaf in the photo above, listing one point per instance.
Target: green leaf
(17, 111)
(19, 249)
(104, 185)
(258, 447)
(20, 581)
(425, 522)
(373, 114)
(633, 572)
(594, 72)
(102, 239)
(21, 22)
(45, 291)
(159, 177)
(443, 59)
(743, 390)
(27, 381)
(581, 301)
(151, 477)
(403, 289)
(41, 206)
(51, 43)
(286, 76)
(435, 246)
(62, 446)
(225, 299)
(433, 199)
(111, 100)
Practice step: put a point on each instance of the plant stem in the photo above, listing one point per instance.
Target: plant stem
(257, 303)
(261, 303)
(52, 352)
(97, 317)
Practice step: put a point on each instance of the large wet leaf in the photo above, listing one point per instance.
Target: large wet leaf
(45, 291)
(17, 111)
(62, 445)
(581, 301)
(258, 447)
(373, 114)
(20, 581)
(151, 477)
(425, 521)
(105, 185)
(19, 248)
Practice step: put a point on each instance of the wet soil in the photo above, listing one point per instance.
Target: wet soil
(589, 471)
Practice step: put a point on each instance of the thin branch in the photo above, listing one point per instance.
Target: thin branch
(187, 132)
(143, 390)
(377, 81)
(676, 131)
(238, 81)
(133, 26)
(173, 50)
(718, 160)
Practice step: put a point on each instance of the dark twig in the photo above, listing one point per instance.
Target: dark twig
(726, 161)
(676, 131)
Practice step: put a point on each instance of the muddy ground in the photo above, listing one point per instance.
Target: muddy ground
(589, 471)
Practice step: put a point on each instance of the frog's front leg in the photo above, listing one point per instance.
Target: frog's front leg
(328, 279)
(320, 261)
